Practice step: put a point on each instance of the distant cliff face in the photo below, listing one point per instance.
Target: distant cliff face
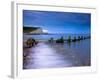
(32, 30)
(37, 31)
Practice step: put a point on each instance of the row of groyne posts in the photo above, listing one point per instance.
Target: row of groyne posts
(32, 42)
(75, 39)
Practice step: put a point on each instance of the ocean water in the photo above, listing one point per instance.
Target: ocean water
(55, 36)
(55, 55)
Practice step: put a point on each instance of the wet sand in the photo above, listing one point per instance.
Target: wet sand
(52, 55)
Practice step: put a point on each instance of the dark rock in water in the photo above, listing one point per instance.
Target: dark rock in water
(74, 40)
(61, 40)
(31, 42)
(69, 39)
(51, 40)
(82, 38)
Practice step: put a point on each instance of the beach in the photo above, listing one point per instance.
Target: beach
(57, 55)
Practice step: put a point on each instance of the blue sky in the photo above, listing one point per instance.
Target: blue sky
(58, 22)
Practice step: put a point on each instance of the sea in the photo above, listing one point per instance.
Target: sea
(54, 36)
(55, 55)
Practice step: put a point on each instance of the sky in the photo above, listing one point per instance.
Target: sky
(58, 22)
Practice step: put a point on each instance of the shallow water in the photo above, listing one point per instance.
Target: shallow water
(55, 36)
(54, 55)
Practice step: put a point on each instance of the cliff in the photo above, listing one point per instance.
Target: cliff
(32, 30)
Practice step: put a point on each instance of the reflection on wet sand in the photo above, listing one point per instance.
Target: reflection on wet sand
(52, 55)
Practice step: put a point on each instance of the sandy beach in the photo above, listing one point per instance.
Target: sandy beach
(46, 55)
